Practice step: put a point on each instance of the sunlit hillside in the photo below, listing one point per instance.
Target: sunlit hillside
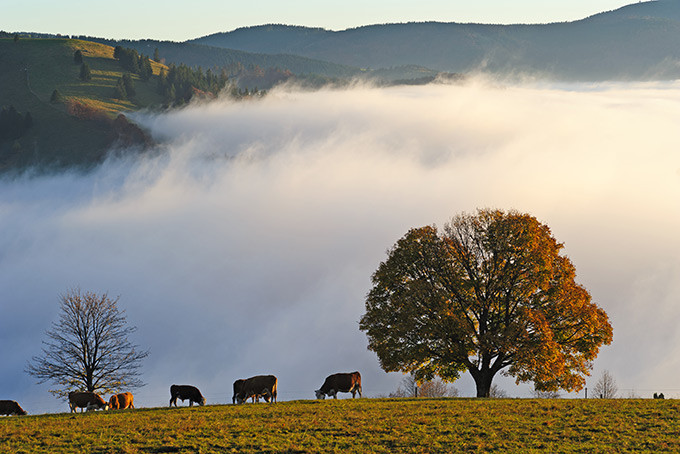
(71, 117)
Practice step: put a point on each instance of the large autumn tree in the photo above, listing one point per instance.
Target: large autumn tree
(490, 293)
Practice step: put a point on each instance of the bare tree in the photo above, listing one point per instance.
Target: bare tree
(88, 348)
(495, 392)
(538, 394)
(606, 387)
(433, 388)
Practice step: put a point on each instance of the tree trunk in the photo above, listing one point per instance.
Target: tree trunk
(483, 380)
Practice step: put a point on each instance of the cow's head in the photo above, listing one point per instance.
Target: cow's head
(113, 402)
(202, 402)
(319, 394)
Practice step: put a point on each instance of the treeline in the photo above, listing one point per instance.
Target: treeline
(13, 125)
(181, 83)
(133, 62)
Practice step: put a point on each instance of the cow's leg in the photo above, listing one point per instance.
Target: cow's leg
(335, 393)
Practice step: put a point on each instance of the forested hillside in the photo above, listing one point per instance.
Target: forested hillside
(62, 101)
(637, 42)
(209, 57)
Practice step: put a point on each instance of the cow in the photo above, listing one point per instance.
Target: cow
(121, 401)
(184, 392)
(11, 407)
(259, 385)
(238, 385)
(87, 400)
(342, 382)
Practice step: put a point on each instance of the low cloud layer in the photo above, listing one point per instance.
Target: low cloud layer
(245, 245)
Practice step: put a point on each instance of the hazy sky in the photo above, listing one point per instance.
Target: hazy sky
(181, 20)
(246, 244)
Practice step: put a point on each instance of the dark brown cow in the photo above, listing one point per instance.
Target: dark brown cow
(184, 392)
(87, 400)
(11, 407)
(238, 385)
(343, 382)
(121, 401)
(259, 385)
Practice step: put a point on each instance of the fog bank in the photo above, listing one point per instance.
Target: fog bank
(246, 243)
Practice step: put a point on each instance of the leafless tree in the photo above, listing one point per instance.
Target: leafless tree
(434, 388)
(545, 394)
(88, 348)
(606, 387)
(495, 392)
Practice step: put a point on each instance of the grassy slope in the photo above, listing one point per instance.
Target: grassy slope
(362, 425)
(31, 69)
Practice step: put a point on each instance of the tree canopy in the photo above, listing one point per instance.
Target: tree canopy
(88, 348)
(491, 292)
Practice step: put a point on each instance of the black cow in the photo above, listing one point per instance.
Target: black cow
(11, 407)
(259, 385)
(184, 392)
(342, 382)
(238, 385)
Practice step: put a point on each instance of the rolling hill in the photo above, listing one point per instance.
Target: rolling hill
(79, 128)
(636, 42)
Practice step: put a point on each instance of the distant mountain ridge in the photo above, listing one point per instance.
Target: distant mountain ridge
(640, 41)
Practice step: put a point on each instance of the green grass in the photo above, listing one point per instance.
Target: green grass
(31, 69)
(360, 425)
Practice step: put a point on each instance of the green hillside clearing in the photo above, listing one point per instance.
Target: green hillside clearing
(78, 130)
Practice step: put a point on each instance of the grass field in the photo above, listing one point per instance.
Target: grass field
(360, 425)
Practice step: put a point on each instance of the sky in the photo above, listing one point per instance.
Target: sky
(180, 20)
(244, 244)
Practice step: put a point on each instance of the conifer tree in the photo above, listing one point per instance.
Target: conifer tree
(85, 73)
(129, 85)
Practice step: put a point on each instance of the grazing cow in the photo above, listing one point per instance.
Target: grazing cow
(121, 401)
(11, 407)
(343, 382)
(184, 392)
(659, 396)
(259, 385)
(238, 385)
(87, 400)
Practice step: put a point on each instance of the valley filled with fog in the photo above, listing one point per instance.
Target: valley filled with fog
(245, 242)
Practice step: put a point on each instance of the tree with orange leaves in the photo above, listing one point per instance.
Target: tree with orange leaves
(490, 293)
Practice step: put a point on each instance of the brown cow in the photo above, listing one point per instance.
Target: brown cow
(121, 401)
(259, 385)
(184, 392)
(11, 407)
(238, 385)
(343, 382)
(87, 400)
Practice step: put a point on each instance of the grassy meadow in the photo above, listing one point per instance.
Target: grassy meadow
(360, 425)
